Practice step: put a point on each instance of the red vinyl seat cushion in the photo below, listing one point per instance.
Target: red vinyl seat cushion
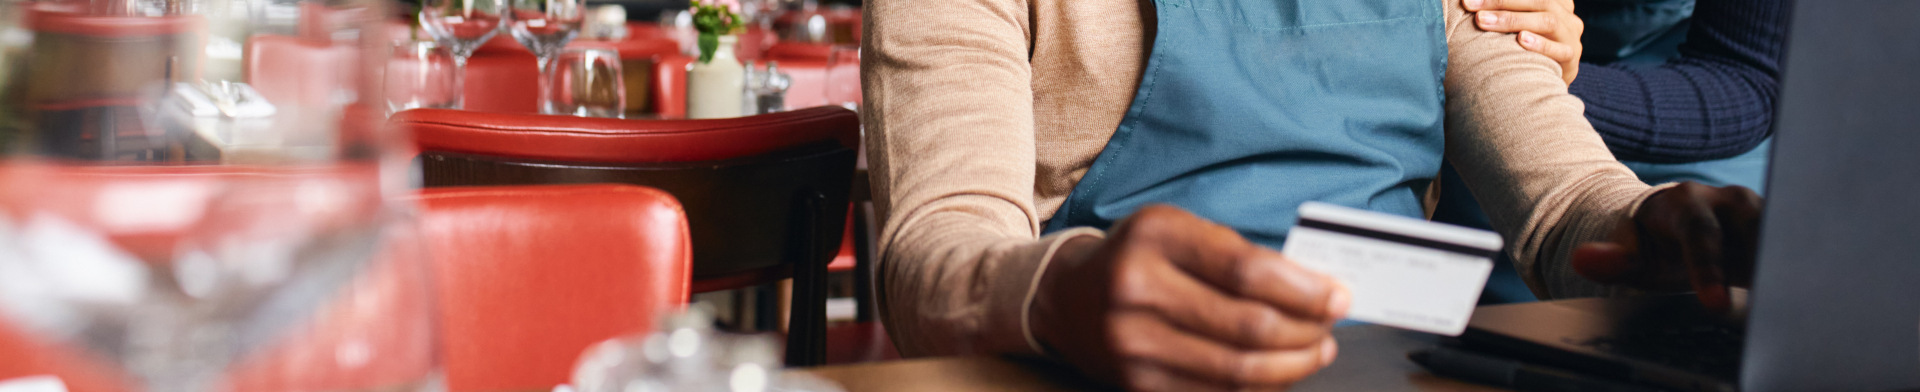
(530, 276)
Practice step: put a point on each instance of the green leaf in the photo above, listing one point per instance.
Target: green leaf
(715, 19)
(709, 43)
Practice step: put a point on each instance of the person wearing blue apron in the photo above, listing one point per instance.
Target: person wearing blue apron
(1247, 109)
(1243, 110)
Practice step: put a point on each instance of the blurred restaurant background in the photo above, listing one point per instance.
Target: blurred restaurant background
(467, 195)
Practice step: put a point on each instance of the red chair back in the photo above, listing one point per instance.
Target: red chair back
(766, 196)
(529, 277)
(295, 69)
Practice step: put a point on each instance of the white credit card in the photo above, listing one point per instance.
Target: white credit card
(1403, 272)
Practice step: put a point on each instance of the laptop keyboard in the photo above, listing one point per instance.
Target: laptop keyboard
(1707, 349)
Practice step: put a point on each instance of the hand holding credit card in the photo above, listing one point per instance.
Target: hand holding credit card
(1402, 272)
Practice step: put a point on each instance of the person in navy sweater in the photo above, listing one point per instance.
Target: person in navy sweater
(1680, 90)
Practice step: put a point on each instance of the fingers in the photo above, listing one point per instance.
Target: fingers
(1203, 310)
(1562, 53)
(1739, 211)
(1548, 27)
(1694, 232)
(1164, 346)
(1701, 235)
(1541, 23)
(1221, 258)
(1267, 276)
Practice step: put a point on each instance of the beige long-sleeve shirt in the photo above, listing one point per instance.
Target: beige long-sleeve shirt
(981, 116)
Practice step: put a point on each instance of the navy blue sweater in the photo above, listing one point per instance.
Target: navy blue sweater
(1715, 100)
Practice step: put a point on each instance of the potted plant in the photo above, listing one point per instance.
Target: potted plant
(716, 84)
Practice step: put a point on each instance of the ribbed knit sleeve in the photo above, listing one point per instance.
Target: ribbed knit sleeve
(1713, 101)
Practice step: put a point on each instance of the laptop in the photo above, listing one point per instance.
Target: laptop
(1836, 299)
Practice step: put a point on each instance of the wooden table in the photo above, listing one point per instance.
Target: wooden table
(1372, 358)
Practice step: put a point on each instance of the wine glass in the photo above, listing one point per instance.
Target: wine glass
(587, 82)
(168, 229)
(545, 27)
(843, 77)
(461, 26)
(422, 75)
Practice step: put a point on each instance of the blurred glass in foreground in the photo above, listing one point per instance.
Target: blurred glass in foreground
(194, 197)
(685, 354)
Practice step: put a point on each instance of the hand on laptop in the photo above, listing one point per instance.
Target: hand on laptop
(1690, 236)
(1170, 301)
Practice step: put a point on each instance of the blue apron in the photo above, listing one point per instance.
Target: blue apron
(1248, 108)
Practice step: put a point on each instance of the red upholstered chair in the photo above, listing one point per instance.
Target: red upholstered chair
(309, 67)
(296, 69)
(766, 196)
(530, 276)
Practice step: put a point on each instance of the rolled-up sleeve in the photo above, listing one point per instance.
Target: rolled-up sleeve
(1520, 142)
(950, 136)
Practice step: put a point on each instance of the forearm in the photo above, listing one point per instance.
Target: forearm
(1714, 101)
(1681, 112)
(950, 138)
(954, 290)
(1521, 144)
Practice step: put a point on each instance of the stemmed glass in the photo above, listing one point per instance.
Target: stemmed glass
(461, 26)
(586, 82)
(843, 77)
(545, 27)
(422, 75)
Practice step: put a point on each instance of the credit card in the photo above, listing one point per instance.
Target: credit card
(1402, 272)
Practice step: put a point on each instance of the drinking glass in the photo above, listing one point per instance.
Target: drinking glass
(545, 27)
(587, 82)
(461, 26)
(167, 229)
(843, 77)
(422, 75)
